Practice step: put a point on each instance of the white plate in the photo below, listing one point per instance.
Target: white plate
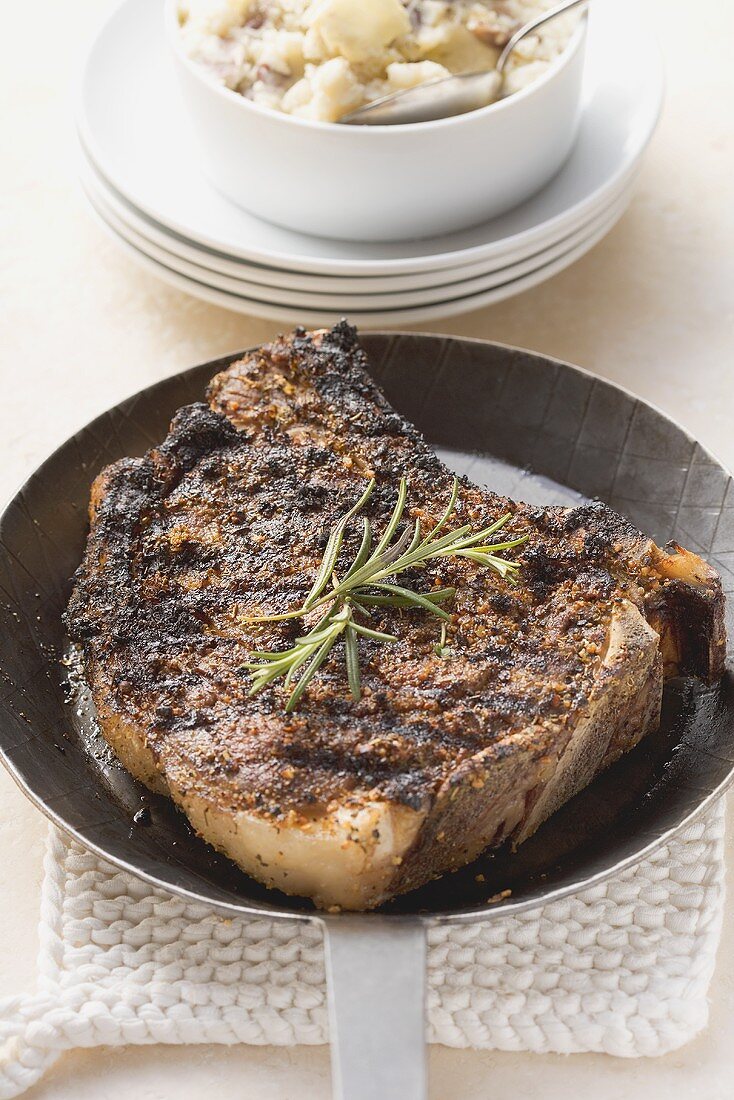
(346, 303)
(135, 131)
(263, 276)
(369, 318)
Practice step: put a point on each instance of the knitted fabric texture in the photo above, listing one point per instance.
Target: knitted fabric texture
(622, 968)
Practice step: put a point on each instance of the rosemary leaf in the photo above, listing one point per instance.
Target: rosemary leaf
(333, 547)
(447, 514)
(441, 649)
(394, 519)
(351, 650)
(416, 598)
(309, 674)
(377, 635)
(364, 551)
(368, 599)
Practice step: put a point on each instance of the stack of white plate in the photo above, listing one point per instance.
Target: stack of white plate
(142, 175)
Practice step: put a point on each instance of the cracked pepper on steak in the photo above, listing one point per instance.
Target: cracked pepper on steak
(548, 681)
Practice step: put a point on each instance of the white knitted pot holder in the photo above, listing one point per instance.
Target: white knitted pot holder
(622, 968)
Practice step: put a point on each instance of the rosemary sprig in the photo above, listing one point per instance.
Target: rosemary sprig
(368, 583)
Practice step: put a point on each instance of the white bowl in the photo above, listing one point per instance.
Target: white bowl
(383, 183)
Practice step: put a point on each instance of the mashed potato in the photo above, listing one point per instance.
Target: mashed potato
(320, 59)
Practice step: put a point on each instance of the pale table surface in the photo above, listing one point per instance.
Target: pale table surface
(650, 307)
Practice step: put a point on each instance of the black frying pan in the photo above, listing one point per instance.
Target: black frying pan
(528, 426)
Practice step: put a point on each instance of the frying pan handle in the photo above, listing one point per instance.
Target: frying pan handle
(376, 978)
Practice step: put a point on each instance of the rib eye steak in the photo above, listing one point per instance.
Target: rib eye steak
(542, 682)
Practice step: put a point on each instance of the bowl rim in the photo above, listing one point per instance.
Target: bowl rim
(200, 74)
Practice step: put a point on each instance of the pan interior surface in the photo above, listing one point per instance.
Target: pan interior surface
(524, 425)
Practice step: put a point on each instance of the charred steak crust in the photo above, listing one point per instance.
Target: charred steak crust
(549, 681)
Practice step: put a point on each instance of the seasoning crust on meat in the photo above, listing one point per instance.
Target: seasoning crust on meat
(349, 802)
